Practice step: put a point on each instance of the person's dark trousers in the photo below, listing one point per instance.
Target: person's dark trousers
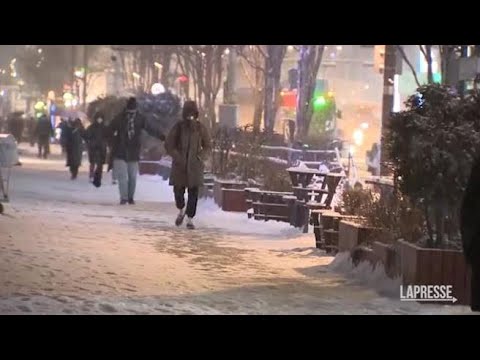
(191, 202)
(43, 147)
(74, 171)
(97, 174)
(475, 288)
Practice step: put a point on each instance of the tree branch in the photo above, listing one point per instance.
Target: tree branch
(404, 56)
(424, 52)
(251, 63)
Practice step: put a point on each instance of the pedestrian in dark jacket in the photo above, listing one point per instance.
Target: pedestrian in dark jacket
(126, 142)
(96, 137)
(31, 125)
(43, 132)
(15, 126)
(74, 146)
(470, 228)
(189, 144)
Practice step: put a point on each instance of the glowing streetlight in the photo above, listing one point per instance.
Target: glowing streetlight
(227, 51)
(364, 125)
(40, 50)
(351, 150)
(157, 89)
(358, 137)
(39, 106)
(290, 48)
(158, 65)
(136, 75)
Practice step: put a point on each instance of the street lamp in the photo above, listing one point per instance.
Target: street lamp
(136, 75)
(157, 89)
(158, 65)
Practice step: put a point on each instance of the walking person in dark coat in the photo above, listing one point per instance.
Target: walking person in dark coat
(74, 146)
(31, 125)
(189, 144)
(470, 228)
(43, 132)
(126, 131)
(96, 137)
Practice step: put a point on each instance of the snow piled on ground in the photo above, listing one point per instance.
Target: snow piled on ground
(367, 274)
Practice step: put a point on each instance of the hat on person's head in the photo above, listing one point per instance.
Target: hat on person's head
(190, 110)
(132, 104)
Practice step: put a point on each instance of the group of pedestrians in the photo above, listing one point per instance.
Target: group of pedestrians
(118, 145)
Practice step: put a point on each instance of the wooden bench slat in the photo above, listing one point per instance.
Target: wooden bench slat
(269, 204)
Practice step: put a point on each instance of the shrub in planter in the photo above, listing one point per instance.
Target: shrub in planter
(397, 216)
(273, 179)
(431, 146)
(356, 201)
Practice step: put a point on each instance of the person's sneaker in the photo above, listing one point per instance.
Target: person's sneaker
(123, 202)
(131, 202)
(180, 217)
(190, 225)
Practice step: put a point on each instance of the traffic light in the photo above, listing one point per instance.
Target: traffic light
(322, 101)
(319, 102)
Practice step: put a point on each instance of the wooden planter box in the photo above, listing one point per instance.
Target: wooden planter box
(154, 168)
(325, 227)
(234, 200)
(270, 205)
(225, 184)
(352, 234)
(422, 266)
(148, 168)
(386, 255)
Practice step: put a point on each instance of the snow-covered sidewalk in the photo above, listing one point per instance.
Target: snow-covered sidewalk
(69, 248)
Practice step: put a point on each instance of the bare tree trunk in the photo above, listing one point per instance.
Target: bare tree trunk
(427, 53)
(268, 102)
(258, 110)
(429, 63)
(166, 62)
(273, 66)
(308, 66)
